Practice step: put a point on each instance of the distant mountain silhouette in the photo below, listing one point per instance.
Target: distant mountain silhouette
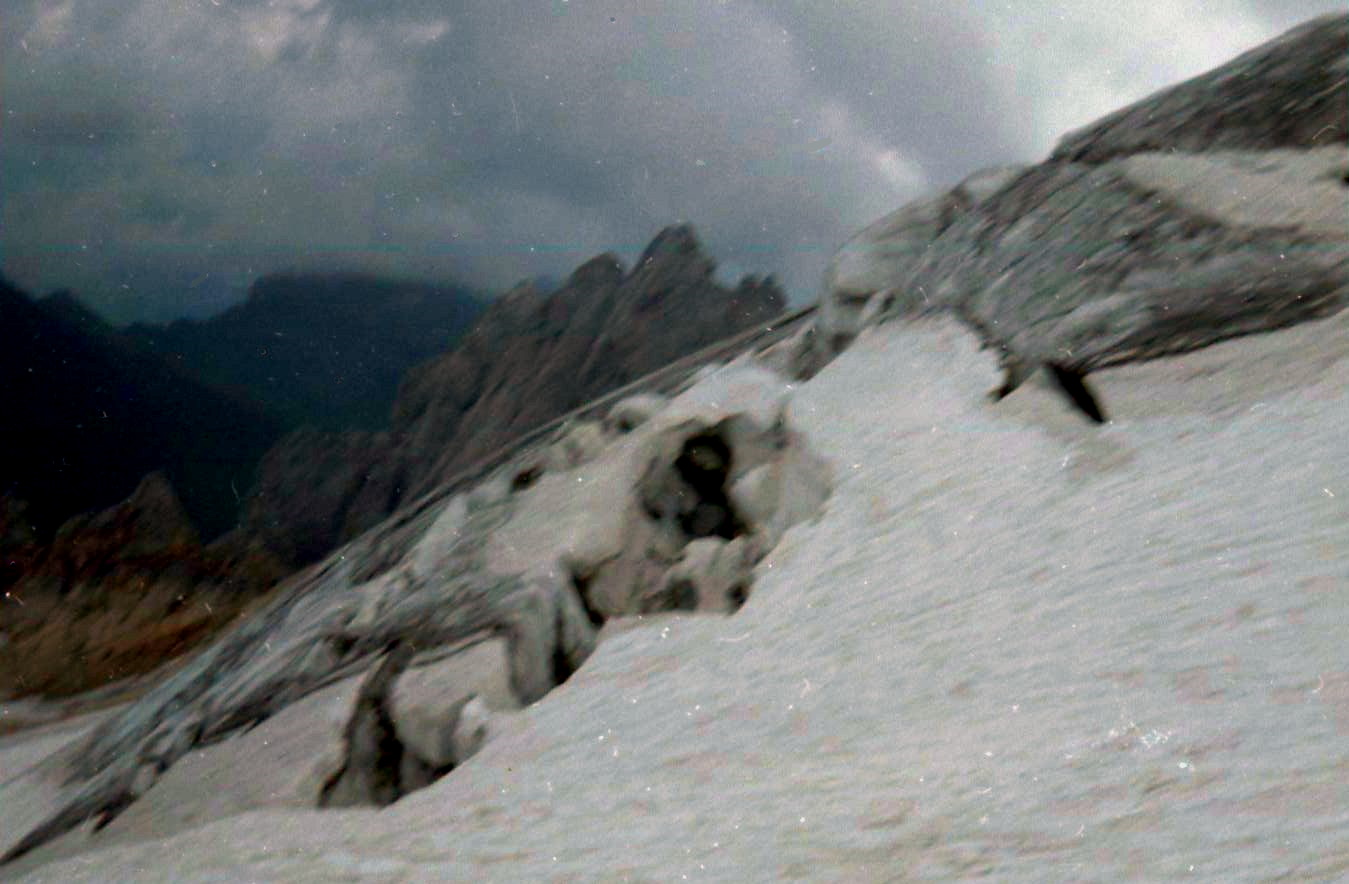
(87, 415)
(325, 350)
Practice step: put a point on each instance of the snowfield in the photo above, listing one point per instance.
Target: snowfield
(1015, 644)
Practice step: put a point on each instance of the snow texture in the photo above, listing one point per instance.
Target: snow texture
(1014, 644)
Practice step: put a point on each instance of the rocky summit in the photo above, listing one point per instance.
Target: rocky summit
(828, 610)
(530, 358)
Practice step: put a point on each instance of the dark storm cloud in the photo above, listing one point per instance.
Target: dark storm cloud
(158, 154)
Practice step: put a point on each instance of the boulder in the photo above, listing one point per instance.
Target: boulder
(1212, 209)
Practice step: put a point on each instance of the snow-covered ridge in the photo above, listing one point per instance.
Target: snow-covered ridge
(1012, 644)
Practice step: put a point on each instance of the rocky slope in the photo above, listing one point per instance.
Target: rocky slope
(356, 478)
(116, 593)
(538, 357)
(322, 350)
(530, 358)
(90, 411)
(968, 638)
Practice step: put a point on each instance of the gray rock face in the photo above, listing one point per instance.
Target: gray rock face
(878, 259)
(536, 357)
(1287, 93)
(1212, 209)
(1088, 266)
(316, 489)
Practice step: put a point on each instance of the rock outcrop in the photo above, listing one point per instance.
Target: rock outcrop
(315, 488)
(119, 592)
(91, 409)
(539, 356)
(531, 358)
(1212, 209)
(877, 261)
(1288, 93)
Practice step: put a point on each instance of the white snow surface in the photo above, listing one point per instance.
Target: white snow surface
(1015, 644)
(1293, 189)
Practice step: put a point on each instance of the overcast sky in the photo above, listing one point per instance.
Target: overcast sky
(157, 155)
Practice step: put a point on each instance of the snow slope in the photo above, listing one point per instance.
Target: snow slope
(1015, 643)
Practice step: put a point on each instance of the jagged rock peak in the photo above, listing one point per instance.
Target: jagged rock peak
(154, 492)
(523, 290)
(150, 520)
(677, 239)
(520, 297)
(158, 511)
(601, 269)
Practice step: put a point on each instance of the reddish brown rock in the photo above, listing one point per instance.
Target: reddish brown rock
(118, 593)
